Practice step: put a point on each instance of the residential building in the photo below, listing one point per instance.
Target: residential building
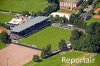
(70, 4)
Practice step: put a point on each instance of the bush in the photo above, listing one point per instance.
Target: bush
(36, 58)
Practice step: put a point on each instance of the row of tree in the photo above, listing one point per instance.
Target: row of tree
(74, 19)
(89, 42)
(58, 19)
(47, 51)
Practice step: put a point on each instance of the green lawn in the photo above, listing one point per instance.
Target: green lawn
(67, 11)
(96, 62)
(2, 45)
(23, 5)
(50, 35)
(56, 60)
(5, 18)
(92, 20)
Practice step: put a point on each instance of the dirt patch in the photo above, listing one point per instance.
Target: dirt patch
(16, 55)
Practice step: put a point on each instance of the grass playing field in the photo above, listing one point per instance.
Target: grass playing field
(57, 59)
(4, 18)
(50, 35)
(23, 5)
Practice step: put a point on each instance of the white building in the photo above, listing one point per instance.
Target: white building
(15, 21)
(60, 14)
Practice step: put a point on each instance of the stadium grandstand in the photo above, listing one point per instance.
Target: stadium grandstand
(27, 28)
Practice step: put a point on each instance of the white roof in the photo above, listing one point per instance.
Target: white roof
(60, 14)
(15, 21)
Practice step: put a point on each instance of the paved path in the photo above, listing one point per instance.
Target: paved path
(16, 55)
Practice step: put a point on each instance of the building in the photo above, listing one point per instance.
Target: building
(29, 27)
(17, 21)
(70, 4)
(14, 22)
(60, 14)
(97, 13)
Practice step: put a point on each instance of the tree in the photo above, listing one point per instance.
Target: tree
(62, 45)
(24, 13)
(89, 2)
(77, 21)
(64, 20)
(43, 54)
(90, 41)
(4, 25)
(80, 11)
(36, 58)
(93, 28)
(51, 18)
(4, 37)
(56, 18)
(53, 1)
(46, 52)
(51, 8)
(75, 35)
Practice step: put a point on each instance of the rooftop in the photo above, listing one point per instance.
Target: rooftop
(84, 15)
(26, 25)
(15, 21)
(96, 10)
(72, 1)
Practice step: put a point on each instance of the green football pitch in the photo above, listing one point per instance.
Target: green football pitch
(50, 35)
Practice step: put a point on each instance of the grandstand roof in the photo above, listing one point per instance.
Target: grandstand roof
(26, 25)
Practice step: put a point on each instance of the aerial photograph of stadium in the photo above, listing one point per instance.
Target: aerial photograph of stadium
(49, 32)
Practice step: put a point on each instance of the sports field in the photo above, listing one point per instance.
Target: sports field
(16, 55)
(50, 35)
(4, 18)
(23, 5)
(57, 59)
